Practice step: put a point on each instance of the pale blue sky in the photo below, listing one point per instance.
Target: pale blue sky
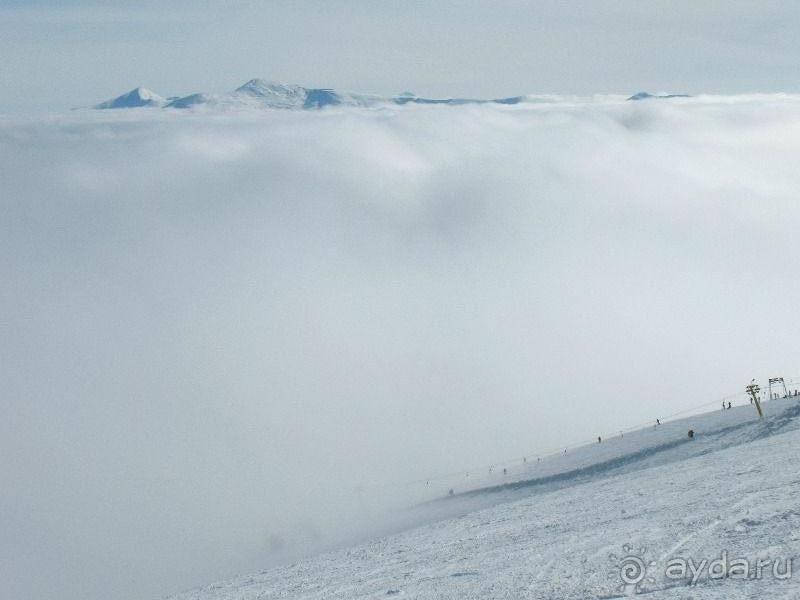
(61, 54)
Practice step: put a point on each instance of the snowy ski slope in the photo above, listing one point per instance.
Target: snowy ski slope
(565, 527)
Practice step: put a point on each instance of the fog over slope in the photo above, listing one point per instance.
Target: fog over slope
(214, 328)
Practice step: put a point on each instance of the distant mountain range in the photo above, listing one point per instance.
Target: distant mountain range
(260, 93)
(649, 96)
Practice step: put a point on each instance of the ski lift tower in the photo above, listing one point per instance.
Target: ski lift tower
(776, 381)
(753, 390)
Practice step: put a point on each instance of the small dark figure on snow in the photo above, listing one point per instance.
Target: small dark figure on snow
(691, 433)
(658, 421)
(729, 405)
(599, 440)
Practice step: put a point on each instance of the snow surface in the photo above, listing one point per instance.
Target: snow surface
(562, 528)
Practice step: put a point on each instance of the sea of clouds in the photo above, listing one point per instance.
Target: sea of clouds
(220, 334)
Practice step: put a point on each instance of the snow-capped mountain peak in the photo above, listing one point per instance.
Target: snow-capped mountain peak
(274, 94)
(265, 87)
(137, 97)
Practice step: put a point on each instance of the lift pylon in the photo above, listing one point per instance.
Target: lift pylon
(776, 381)
(753, 390)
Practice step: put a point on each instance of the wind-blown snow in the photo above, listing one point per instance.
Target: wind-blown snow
(227, 336)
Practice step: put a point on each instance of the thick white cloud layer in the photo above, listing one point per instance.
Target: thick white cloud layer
(216, 327)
